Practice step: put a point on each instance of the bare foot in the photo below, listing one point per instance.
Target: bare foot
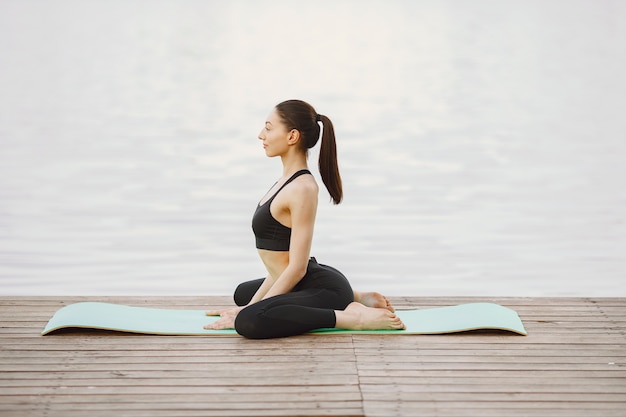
(373, 299)
(360, 317)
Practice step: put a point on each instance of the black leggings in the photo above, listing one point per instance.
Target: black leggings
(310, 305)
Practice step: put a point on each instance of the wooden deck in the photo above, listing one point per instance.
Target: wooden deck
(572, 363)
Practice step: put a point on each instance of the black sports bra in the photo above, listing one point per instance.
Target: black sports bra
(269, 233)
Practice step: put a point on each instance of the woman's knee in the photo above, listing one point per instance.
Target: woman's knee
(241, 295)
(248, 324)
(246, 290)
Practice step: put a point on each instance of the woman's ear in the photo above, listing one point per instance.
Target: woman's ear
(294, 137)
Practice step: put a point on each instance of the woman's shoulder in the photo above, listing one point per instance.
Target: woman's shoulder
(307, 183)
(304, 186)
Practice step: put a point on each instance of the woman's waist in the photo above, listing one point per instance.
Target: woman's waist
(276, 262)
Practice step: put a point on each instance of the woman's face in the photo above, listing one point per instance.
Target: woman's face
(275, 135)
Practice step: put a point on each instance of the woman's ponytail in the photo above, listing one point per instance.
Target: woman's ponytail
(299, 115)
(329, 169)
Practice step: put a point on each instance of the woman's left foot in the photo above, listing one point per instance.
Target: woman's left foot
(357, 316)
(373, 299)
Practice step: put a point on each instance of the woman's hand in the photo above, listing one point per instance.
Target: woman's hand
(227, 318)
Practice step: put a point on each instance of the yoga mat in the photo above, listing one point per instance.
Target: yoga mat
(123, 318)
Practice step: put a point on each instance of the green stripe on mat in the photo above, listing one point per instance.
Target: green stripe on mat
(123, 318)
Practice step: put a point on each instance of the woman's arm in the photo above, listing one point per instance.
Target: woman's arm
(303, 207)
(268, 282)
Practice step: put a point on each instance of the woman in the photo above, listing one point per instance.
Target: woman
(298, 294)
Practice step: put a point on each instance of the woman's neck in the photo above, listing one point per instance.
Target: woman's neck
(293, 164)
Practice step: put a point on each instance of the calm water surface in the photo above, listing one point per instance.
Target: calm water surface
(481, 143)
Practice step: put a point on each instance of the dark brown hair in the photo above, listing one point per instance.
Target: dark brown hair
(299, 115)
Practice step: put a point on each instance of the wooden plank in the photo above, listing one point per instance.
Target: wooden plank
(494, 409)
(156, 376)
(175, 408)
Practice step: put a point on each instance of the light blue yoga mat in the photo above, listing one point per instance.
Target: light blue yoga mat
(105, 316)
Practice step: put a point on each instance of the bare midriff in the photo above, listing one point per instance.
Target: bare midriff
(275, 262)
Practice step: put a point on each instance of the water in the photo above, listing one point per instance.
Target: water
(481, 143)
